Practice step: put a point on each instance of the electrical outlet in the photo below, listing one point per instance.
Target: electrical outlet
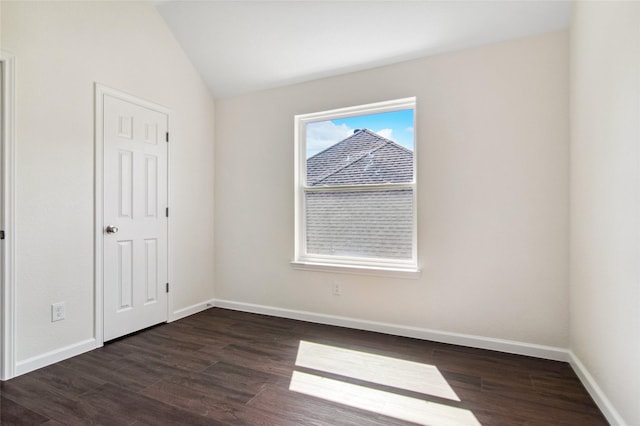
(337, 288)
(57, 311)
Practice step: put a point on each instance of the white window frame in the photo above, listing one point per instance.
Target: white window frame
(305, 260)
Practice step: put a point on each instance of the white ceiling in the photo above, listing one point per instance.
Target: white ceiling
(244, 46)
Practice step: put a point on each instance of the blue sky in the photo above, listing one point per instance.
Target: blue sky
(394, 125)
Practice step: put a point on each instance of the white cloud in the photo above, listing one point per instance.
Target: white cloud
(323, 134)
(386, 133)
(409, 129)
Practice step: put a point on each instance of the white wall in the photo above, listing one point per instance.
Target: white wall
(493, 195)
(61, 49)
(605, 199)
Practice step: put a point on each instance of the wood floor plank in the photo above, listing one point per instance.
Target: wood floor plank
(216, 403)
(29, 392)
(129, 407)
(234, 368)
(12, 413)
(232, 376)
(67, 382)
(308, 410)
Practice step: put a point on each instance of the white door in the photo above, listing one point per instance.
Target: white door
(135, 222)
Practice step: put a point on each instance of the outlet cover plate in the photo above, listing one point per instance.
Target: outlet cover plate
(57, 311)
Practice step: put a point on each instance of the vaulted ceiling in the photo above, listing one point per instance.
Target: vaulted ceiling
(244, 46)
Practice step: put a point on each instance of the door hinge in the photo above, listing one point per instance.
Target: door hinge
(166, 212)
(167, 136)
(167, 289)
(1, 235)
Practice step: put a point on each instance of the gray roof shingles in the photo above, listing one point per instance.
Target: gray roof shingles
(360, 223)
(363, 158)
(372, 223)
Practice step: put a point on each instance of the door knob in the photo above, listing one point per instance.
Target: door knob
(111, 229)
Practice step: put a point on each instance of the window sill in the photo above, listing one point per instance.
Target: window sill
(358, 270)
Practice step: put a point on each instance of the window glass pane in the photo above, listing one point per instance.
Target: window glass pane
(370, 224)
(338, 154)
(355, 198)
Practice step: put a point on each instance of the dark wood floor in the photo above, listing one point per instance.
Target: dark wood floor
(227, 367)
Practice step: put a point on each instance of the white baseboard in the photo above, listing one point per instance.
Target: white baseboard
(57, 355)
(601, 400)
(190, 310)
(509, 346)
(501, 345)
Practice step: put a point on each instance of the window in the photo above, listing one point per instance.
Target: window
(356, 187)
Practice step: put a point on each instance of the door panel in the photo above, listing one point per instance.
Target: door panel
(135, 195)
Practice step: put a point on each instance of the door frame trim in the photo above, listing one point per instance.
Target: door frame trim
(100, 92)
(8, 286)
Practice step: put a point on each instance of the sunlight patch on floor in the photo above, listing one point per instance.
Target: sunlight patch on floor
(382, 370)
(381, 402)
(378, 370)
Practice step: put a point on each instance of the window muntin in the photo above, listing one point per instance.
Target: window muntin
(355, 193)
